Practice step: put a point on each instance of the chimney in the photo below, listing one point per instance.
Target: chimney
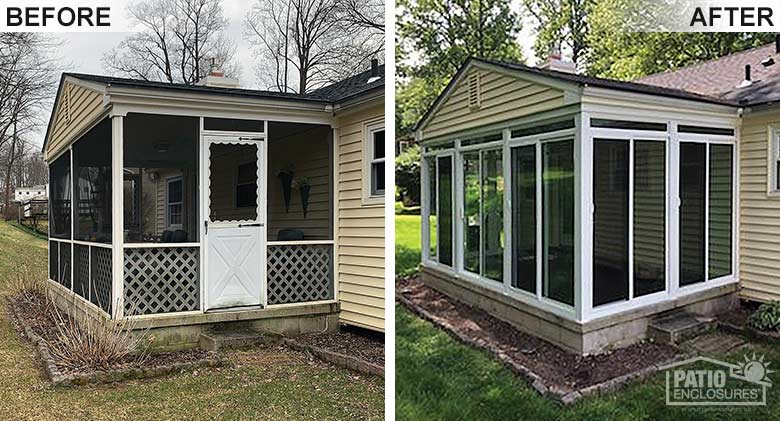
(217, 79)
(555, 61)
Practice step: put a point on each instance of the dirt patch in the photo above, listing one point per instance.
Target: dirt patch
(552, 364)
(365, 346)
(737, 317)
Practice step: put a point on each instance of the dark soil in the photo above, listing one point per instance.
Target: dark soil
(42, 322)
(366, 346)
(553, 364)
(737, 317)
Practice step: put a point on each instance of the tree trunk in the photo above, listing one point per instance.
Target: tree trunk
(8, 170)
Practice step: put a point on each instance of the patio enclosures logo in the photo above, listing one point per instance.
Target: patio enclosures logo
(63, 16)
(697, 15)
(704, 381)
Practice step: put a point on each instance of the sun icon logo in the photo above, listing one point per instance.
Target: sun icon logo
(754, 369)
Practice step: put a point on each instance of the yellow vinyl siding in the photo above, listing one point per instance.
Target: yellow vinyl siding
(84, 107)
(502, 97)
(759, 233)
(361, 236)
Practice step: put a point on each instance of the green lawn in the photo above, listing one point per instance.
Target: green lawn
(407, 243)
(263, 384)
(439, 378)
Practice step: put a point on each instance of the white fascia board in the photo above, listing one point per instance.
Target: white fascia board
(93, 86)
(154, 101)
(652, 108)
(359, 104)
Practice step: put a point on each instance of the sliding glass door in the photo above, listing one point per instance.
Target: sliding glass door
(524, 218)
(649, 217)
(720, 210)
(558, 221)
(445, 211)
(693, 184)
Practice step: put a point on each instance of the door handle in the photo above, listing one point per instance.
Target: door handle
(206, 226)
(250, 225)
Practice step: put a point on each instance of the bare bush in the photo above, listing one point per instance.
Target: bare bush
(97, 344)
(26, 283)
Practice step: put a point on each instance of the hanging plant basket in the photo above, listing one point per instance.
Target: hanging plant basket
(303, 186)
(286, 177)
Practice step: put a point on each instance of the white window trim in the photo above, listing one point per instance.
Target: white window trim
(168, 203)
(772, 158)
(369, 128)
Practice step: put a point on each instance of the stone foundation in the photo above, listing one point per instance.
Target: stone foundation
(591, 337)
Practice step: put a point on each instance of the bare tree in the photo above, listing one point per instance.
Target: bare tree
(305, 44)
(28, 72)
(179, 39)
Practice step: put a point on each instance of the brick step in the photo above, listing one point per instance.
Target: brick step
(677, 327)
(216, 340)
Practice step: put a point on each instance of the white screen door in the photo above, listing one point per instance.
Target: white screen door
(234, 224)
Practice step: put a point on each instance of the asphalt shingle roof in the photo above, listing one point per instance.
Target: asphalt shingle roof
(721, 78)
(354, 86)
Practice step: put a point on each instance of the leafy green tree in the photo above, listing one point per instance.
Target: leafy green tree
(562, 22)
(436, 37)
(407, 174)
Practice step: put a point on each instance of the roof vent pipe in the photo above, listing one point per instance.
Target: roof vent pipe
(747, 72)
(374, 67)
(777, 43)
(747, 81)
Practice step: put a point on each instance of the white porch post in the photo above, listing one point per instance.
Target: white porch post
(117, 217)
(583, 217)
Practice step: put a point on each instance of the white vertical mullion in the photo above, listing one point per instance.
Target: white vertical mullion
(673, 210)
(425, 211)
(507, 220)
(203, 214)
(539, 222)
(73, 206)
(89, 272)
(438, 211)
(455, 179)
(631, 219)
(335, 204)
(262, 165)
(117, 221)
(735, 204)
(584, 218)
(706, 211)
(481, 213)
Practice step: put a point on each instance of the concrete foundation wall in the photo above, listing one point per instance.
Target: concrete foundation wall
(591, 337)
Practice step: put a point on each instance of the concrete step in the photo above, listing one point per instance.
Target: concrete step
(216, 340)
(676, 327)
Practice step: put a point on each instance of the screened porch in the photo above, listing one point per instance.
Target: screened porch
(584, 214)
(159, 214)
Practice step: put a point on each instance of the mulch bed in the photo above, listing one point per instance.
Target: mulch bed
(559, 371)
(42, 331)
(736, 321)
(363, 352)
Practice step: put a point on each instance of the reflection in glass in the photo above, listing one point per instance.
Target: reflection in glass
(693, 164)
(610, 221)
(720, 208)
(558, 221)
(432, 207)
(649, 217)
(524, 218)
(493, 214)
(471, 209)
(445, 210)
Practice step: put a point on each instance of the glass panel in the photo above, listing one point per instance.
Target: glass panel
(558, 221)
(524, 218)
(92, 163)
(649, 217)
(471, 221)
(627, 125)
(157, 150)
(493, 214)
(610, 221)
(432, 207)
(720, 208)
(59, 202)
(481, 139)
(693, 157)
(539, 128)
(223, 164)
(705, 130)
(246, 190)
(233, 125)
(300, 182)
(445, 210)
(379, 144)
(377, 178)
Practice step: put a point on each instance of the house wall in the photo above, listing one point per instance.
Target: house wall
(361, 229)
(759, 231)
(82, 105)
(503, 97)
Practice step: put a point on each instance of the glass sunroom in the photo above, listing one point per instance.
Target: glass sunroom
(573, 207)
(194, 209)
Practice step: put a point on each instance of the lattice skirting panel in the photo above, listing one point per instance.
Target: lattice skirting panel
(54, 254)
(300, 273)
(100, 281)
(64, 264)
(162, 280)
(81, 270)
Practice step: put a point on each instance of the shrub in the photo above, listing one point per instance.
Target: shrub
(766, 317)
(407, 261)
(407, 174)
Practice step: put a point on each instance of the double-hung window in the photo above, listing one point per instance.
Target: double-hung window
(374, 150)
(174, 195)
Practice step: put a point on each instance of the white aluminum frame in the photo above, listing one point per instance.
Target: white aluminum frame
(583, 135)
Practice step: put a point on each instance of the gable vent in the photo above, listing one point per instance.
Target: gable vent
(475, 96)
(65, 104)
